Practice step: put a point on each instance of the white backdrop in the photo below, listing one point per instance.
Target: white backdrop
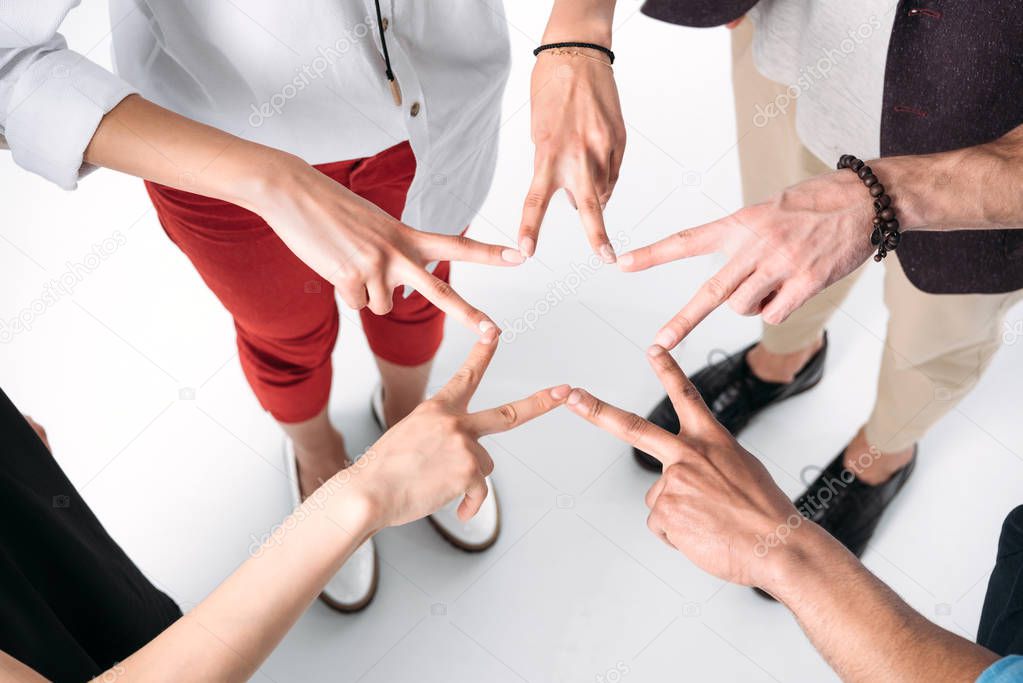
(133, 370)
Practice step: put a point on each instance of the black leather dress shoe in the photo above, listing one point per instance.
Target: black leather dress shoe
(847, 508)
(734, 394)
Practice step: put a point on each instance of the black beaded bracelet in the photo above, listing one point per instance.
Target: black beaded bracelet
(592, 46)
(885, 235)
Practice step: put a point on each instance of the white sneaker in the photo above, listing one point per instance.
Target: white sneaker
(355, 584)
(475, 535)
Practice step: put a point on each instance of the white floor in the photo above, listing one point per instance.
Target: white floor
(133, 370)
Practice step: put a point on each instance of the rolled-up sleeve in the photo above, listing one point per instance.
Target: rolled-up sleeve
(51, 98)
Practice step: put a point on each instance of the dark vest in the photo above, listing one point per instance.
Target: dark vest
(954, 78)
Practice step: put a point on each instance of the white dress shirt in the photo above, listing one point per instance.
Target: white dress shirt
(305, 77)
(832, 54)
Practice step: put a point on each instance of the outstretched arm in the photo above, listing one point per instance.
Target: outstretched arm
(789, 248)
(428, 459)
(577, 124)
(62, 114)
(718, 505)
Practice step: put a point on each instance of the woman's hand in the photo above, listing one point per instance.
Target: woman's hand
(781, 252)
(433, 456)
(579, 134)
(363, 251)
(714, 502)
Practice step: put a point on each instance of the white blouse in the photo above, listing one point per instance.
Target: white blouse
(304, 77)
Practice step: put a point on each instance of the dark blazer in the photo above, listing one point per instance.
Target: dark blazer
(953, 79)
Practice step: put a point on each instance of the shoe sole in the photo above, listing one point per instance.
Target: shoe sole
(362, 604)
(470, 547)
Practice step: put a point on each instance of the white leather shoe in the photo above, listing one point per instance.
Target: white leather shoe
(473, 536)
(355, 584)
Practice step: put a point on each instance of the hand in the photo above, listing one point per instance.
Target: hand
(781, 252)
(364, 252)
(714, 502)
(580, 140)
(434, 456)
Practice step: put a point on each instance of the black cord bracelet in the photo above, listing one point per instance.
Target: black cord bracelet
(592, 46)
(885, 235)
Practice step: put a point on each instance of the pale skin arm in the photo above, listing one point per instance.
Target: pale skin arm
(577, 124)
(354, 245)
(428, 459)
(716, 504)
(789, 248)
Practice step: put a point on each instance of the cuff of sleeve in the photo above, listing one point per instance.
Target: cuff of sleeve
(55, 109)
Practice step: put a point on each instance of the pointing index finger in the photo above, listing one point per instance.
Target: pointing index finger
(627, 426)
(466, 380)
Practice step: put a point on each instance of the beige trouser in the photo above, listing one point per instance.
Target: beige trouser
(938, 345)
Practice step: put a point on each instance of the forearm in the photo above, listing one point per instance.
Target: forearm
(860, 626)
(977, 187)
(145, 140)
(581, 20)
(230, 633)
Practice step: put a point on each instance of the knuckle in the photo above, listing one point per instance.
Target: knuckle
(715, 288)
(589, 204)
(508, 414)
(681, 324)
(741, 304)
(595, 409)
(535, 200)
(443, 289)
(467, 375)
(635, 425)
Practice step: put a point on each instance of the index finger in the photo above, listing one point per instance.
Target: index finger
(709, 296)
(628, 427)
(698, 241)
(435, 247)
(534, 208)
(517, 413)
(693, 414)
(466, 380)
(443, 296)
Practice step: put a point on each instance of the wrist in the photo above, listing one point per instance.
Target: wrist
(905, 180)
(265, 178)
(807, 551)
(586, 22)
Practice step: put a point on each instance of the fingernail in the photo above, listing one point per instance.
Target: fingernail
(575, 397)
(665, 338)
(607, 254)
(488, 331)
(512, 256)
(626, 259)
(655, 350)
(526, 246)
(558, 393)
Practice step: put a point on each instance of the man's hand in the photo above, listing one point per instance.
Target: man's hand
(364, 252)
(577, 125)
(781, 252)
(434, 456)
(714, 502)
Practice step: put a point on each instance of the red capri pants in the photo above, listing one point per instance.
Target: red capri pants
(285, 314)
